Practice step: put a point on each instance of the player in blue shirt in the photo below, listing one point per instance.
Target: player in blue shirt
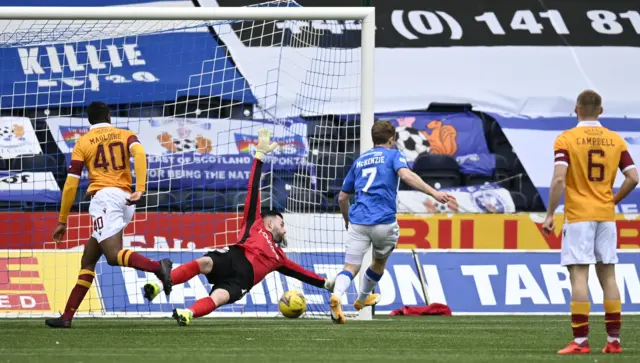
(374, 178)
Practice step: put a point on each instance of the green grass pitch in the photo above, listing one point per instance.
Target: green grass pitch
(458, 339)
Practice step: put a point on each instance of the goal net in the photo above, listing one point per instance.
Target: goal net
(196, 92)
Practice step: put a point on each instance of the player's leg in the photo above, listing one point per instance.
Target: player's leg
(358, 245)
(607, 258)
(180, 275)
(110, 216)
(384, 240)
(117, 256)
(90, 258)
(578, 252)
(223, 293)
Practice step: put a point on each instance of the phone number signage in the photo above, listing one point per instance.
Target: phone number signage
(505, 23)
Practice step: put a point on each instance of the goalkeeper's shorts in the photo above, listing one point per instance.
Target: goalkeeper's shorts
(383, 238)
(231, 271)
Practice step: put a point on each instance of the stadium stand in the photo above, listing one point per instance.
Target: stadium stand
(327, 148)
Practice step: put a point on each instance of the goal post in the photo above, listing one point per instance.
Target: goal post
(190, 217)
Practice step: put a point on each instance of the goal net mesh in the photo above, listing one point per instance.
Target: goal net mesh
(196, 93)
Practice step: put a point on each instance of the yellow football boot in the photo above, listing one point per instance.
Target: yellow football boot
(372, 300)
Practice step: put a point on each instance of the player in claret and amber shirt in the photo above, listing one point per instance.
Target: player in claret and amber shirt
(105, 150)
(587, 159)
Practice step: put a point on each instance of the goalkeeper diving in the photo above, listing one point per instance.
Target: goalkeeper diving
(234, 271)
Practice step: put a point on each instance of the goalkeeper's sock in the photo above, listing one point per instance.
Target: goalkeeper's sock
(343, 281)
(186, 272)
(203, 307)
(85, 279)
(128, 258)
(371, 279)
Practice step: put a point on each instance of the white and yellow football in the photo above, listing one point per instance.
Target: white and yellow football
(293, 304)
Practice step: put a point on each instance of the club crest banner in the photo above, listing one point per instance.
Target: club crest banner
(192, 153)
(17, 137)
(489, 198)
(459, 135)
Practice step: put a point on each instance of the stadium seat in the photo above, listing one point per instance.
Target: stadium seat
(441, 169)
(158, 201)
(520, 173)
(307, 200)
(520, 201)
(38, 163)
(477, 179)
(204, 201)
(538, 204)
(528, 190)
(235, 201)
(10, 206)
(502, 172)
(323, 146)
(499, 142)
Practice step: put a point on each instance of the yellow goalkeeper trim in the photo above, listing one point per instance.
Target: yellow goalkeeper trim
(68, 196)
(140, 167)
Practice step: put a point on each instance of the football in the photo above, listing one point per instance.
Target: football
(293, 304)
(411, 142)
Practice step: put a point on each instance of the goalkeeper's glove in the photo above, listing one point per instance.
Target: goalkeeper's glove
(265, 145)
(329, 284)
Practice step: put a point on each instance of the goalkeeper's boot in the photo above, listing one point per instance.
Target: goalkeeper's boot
(58, 323)
(183, 316)
(612, 347)
(575, 348)
(164, 275)
(151, 290)
(371, 300)
(337, 316)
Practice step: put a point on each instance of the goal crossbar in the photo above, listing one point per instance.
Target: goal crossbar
(178, 13)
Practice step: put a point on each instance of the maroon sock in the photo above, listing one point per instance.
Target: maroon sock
(203, 307)
(186, 272)
(128, 258)
(85, 279)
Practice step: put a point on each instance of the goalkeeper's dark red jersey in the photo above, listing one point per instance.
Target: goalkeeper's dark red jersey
(257, 242)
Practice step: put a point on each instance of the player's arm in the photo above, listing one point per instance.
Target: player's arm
(139, 161)
(414, 181)
(298, 272)
(348, 189)
(630, 172)
(252, 202)
(71, 184)
(558, 181)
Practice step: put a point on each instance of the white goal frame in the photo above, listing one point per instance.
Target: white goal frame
(365, 14)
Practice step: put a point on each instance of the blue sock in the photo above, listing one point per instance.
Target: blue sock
(343, 281)
(370, 281)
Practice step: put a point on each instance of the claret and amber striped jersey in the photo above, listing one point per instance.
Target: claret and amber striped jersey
(106, 151)
(593, 155)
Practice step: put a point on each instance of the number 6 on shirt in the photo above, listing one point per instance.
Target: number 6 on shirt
(371, 173)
